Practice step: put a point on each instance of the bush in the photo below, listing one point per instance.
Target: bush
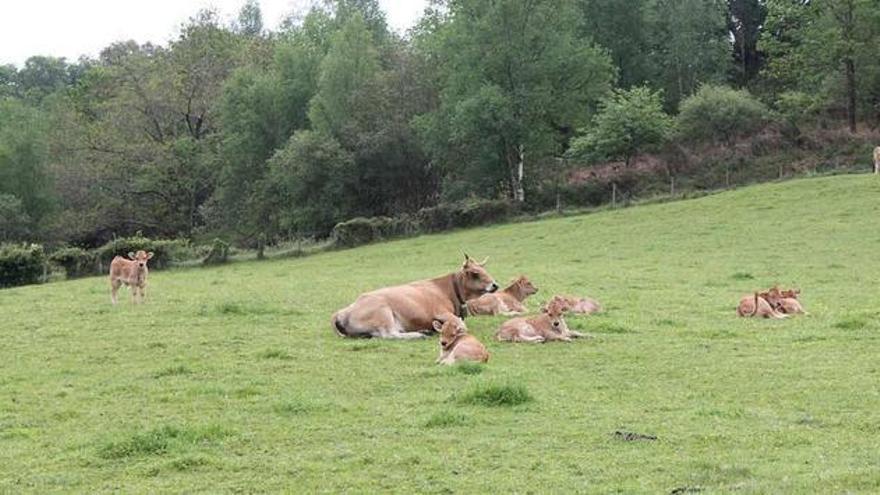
(76, 262)
(21, 264)
(219, 253)
(721, 115)
(359, 231)
(464, 214)
(164, 251)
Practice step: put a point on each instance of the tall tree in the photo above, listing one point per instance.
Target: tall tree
(691, 45)
(605, 20)
(824, 47)
(250, 19)
(745, 20)
(511, 105)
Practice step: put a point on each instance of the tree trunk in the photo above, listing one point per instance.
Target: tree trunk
(672, 185)
(727, 175)
(850, 93)
(519, 194)
(614, 194)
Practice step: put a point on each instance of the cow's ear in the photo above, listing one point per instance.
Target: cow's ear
(150, 255)
(130, 255)
(437, 324)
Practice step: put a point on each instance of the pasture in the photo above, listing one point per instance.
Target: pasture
(230, 378)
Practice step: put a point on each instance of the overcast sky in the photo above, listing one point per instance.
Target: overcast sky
(70, 28)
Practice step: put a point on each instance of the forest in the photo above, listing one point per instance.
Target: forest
(259, 136)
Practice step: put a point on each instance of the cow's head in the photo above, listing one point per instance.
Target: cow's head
(773, 296)
(791, 293)
(450, 327)
(526, 287)
(475, 280)
(141, 257)
(555, 310)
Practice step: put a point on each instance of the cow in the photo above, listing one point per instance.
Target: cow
(408, 311)
(132, 272)
(549, 325)
(757, 305)
(456, 344)
(508, 301)
(581, 305)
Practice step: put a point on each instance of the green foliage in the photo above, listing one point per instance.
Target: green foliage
(316, 186)
(164, 251)
(360, 231)
(494, 395)
(721, 115)
(470, 213)
(499, 106)
(15, 223)
(628, 122)
(77, 262)
(691, 46)
(219, 253)
(24, 162)
(21, 264)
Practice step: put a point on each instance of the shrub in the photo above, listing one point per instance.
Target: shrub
(21, 264)
(359, 231)
(77, 262)
(219, 253)
(164, 251)
(497, 396)
(464, 214)
(720, 114)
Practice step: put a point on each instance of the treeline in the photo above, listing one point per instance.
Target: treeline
(256, 136)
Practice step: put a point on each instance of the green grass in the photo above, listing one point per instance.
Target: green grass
(231, 379)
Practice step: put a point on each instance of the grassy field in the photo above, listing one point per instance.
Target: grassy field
(230, 378)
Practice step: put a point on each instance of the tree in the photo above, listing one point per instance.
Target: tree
(691, 46)
(315, 184)
(745, 19)
(511, 105)
(824, 47)
(23, 160)
(628, 122)
(720, 115)
(250, 20)
(605, 20)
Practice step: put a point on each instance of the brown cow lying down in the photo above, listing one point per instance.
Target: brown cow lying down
(132, 272)
(786, 301)
(408, 311)
(549, 325)
(581, 305)
(508, 301)
(757, 305)
(456, 344)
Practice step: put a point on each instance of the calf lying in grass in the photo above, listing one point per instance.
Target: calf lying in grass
(787, 301)
(549, 325)
(456, 344)
(504, 302)
(757, 305)
(581, 305)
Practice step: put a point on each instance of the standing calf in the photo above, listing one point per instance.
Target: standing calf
(131, 272)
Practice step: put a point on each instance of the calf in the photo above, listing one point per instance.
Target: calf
(549, 325)
(456, 344)
(789, 302)
(582, 305)
(131, 272)
(757, 305)
(508, 301)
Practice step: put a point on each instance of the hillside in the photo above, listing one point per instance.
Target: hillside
(230, 378)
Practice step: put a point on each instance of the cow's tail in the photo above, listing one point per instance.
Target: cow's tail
(338, 321)
(755, 311)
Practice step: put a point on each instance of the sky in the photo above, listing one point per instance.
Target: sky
(70, 28)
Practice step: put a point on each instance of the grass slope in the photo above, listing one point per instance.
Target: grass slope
(230, 378)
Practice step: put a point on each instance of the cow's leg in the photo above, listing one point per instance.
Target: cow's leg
(114, 288)
(397, 334)
(144, 293)
(134, 292)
